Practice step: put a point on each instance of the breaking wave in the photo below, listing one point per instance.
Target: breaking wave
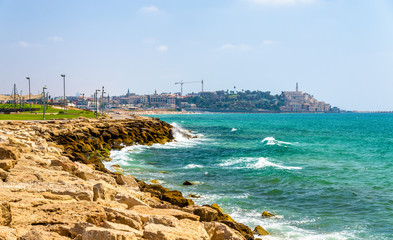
(190, 166)
(273, 141)
(253, 163)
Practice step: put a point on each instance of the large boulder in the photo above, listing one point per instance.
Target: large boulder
(267, 214)
(169, 221)
(7, 152)
(7, 164)
(85, 231)
(129, 200)
(185, 229)
(260, 231)
(220, 231)
(240, 227)
(122, 216)
(37, 233)
(103, 191)
(127, 180)
(221, 216)
(121, 227)
(145, 212)
(176, 198)
(207, 214)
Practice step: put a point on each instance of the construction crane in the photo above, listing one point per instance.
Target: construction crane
(181, 85)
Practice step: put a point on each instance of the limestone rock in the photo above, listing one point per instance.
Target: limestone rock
(206, 214)
(48, 195)
(187, 183)
(185, 229)
(3, 175)
(130, 200)
(41, 234)
(266, 214)
(97, 233)
(220, 231)
(155, 181)
(127, 180)
(85, 231)
(176, 197)
(218, 208)
(169, 221)
(7, 164)
(221, 216)
(103, 191)
(243, 229)
(121, 227)
(7, 233)
(260, 231)
(126, 217)
(5, 214)
(144, 212)
(7, 152)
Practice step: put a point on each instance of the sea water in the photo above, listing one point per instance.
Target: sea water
(324, 176)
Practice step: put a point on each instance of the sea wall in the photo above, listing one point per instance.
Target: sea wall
(54, 186)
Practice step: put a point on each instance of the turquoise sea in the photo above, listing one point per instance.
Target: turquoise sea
(325, 176)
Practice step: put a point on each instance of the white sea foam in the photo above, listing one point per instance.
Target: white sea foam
(281, 229)
(273, 141)
(253, 163)
(233, 129)
(182, 139)
(190, 166)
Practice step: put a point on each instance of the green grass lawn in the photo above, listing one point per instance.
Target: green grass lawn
(50, 113)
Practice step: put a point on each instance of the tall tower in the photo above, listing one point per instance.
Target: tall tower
(297, 87)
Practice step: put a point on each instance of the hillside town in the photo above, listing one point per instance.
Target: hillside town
(204, 101)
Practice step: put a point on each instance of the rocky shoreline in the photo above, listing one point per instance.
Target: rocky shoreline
(55, 186)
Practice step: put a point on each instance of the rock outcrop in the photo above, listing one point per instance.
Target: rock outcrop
(53, 185)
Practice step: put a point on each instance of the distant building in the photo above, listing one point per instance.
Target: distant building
(297, 101)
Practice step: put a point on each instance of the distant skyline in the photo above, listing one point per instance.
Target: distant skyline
(339, 51)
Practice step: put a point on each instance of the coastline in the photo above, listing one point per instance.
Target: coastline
(55, 167)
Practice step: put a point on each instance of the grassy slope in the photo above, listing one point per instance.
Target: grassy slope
(50, 113)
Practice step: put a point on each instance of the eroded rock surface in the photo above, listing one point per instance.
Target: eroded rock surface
(53, 185)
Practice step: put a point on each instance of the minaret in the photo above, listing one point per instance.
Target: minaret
(297, 87)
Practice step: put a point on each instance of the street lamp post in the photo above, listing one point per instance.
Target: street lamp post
(43, 93)
(28, 78)
(47, 100)
(63, 75)
(102, 100)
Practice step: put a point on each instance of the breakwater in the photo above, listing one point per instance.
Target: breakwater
(54, 186)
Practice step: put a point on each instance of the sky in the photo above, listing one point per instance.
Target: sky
(340, 51)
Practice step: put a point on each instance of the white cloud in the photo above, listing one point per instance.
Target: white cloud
(162, 48)
(56, 39)
(268, 42)
(230, 46)
(150, 9)
(282, 2)
(24, 44)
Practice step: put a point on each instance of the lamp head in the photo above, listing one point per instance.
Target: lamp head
(63, 75)
(27, 78)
